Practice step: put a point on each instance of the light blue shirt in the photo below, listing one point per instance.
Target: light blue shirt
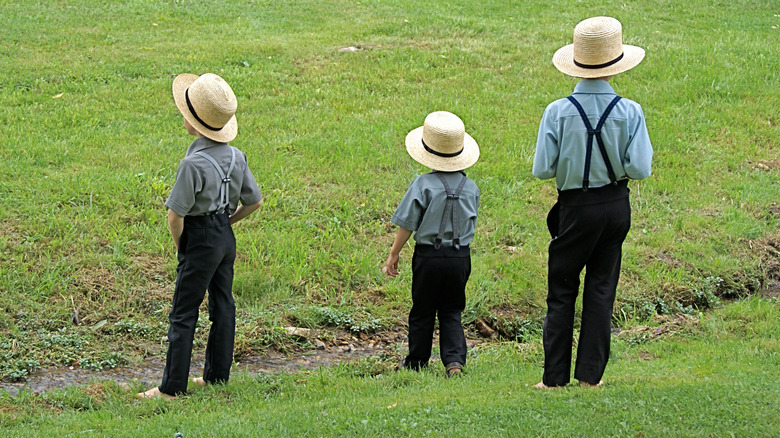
(422, 209)
(560, 145)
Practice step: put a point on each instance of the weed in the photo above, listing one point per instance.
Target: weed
(353, 320)
(140, 329)
(112, 360)
(15, 369)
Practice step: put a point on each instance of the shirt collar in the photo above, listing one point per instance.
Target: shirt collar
(593, 86)
(200, 144)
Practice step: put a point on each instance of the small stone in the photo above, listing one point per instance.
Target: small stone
(485, 330)
(298, 332)
(319, 344)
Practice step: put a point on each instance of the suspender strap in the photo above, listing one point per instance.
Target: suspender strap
(595, 133)
(449, 206)
(224, 188)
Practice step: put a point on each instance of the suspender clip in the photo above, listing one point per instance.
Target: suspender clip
(453, 196)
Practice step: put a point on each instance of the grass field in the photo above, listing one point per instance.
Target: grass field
(90, 141)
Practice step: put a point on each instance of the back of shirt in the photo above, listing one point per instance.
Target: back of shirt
(423, 206)
(562, 139)
(197, 187)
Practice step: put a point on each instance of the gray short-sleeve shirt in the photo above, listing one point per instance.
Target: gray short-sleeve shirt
(196, 190)
(423, 205)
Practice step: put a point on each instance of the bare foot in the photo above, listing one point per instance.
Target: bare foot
(541, 385)
(199, 381)
(154, 393)
(592, 385)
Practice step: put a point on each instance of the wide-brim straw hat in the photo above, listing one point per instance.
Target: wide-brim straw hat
(598, 50)
(442, 143)
(208, 103)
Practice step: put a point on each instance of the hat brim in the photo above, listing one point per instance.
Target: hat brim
(180, 85)
(563, 59)
(464, 160)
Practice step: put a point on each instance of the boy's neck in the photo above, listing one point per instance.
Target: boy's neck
(603, 78)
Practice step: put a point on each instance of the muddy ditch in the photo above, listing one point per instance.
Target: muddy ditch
(342, 348)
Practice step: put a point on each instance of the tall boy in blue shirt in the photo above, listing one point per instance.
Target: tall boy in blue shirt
(440, 208)
(592, 143)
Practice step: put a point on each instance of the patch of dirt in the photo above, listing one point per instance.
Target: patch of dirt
(97, 292)
(507, 323)
(671, 261)
(11, 234)
(764, 165)
(666, 325)
(768, 250)
(646, 355)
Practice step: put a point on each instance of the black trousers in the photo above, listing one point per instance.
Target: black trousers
(438, 287)
(207, 250)
(591, 228)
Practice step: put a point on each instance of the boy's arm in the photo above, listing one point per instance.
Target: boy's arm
(391, 264)
(638, 158)
(176, 226)
(546, 156)
(243, 211)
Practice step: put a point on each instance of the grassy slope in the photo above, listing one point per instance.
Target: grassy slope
(91, 140)
(714, 376)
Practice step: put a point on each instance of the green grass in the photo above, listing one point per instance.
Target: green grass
(714, 375)
(90, 141)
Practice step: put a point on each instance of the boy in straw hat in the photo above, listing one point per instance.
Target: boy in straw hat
(211, 180)
(440, 208)
(592, 216)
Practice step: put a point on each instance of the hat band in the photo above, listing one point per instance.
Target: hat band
(440, 154)
(606, 64)
(194, 114)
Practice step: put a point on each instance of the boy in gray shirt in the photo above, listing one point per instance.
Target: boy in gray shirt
(212, 179)
(440, 208)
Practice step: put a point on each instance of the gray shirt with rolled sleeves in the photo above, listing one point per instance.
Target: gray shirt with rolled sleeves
(196, 190)
(423, 205)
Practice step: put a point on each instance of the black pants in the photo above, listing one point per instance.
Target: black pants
(207, 250)
(592, 226)
(438, 287)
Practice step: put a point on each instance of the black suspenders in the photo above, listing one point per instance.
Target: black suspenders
(595, 133)
(452, 199)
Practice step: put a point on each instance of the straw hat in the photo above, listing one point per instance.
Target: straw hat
(598, 50)
(442, 143)
(208, 103)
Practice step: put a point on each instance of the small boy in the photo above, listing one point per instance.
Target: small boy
(441, 209)
(204, 202)
(592, 217)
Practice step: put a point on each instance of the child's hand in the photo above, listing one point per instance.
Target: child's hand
(391, 265)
